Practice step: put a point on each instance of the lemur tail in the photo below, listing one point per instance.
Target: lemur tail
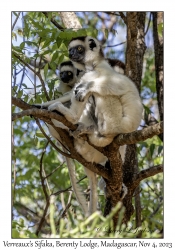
(77, 190)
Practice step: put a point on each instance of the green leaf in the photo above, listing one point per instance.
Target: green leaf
(160, 148)
(106, 33)
(46, 44)
(53, 66)
(82, 32)
(60, 59)
(40, 135)
(25, 86)
(95, 32)
(54, 47)
(45, 52)
(45, 70)
(55, 56)
(59, 42)
(20, 93)
(15, 88)
(13, 109)
(62, 35)
(151, 149)
(26, 98)
(14, 36)
(15, 233)
(147, 110)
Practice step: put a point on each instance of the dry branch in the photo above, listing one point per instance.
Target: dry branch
(139, 135)
(147, 173)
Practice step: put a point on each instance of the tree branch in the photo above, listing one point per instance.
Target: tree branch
(139, 135)
(146, 173)
(70, 20)
(40, 113)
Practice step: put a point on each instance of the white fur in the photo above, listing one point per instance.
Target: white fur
(118, 105)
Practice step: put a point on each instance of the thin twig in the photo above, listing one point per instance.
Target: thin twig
(41, 171)
(47, 176)
(109, 46)
(37, 73)
(123, 17)
(13, 26)
(53, 145)
(27, 209)
(68, 189)
(111, 13)
(54, 22)
(43, 217)
(145, 173)
(47, 183)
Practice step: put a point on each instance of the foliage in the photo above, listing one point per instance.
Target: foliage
(39, 42)
(96, 226)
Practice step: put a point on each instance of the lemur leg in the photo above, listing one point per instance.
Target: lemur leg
(70, 116)
(93, 191)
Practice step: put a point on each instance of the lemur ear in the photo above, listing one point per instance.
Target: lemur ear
(92, 44)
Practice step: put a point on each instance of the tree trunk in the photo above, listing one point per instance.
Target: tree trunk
(158, 48)
(134, 63)
(70, 20)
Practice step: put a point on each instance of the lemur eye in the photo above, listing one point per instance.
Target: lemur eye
(79, 48)
(69, 73)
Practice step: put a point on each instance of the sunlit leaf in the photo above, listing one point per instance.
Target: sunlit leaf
(45, 70)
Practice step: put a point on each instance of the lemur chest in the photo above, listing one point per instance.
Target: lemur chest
(90, 76)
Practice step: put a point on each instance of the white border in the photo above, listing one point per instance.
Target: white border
(5, 100)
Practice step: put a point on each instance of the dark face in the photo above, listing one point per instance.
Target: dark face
(77, 53)
(66, 76)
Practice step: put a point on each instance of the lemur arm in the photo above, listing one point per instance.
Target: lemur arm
(104, 87)
(66, 97)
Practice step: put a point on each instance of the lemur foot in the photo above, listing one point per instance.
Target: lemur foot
(82, 129)
(80, 93)
(56, 107)
(39, 106)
